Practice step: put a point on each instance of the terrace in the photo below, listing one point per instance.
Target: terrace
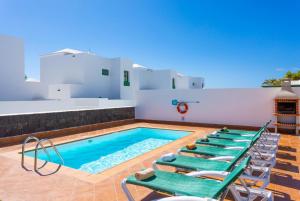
(70, 184)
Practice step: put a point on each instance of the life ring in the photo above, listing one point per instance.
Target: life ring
(182, 107)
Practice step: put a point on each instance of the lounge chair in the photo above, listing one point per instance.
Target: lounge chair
(262, 155)
(184, 185)
(263, 147)
(239, 132)
(189, 163)
(245, 137)
(265, 133)
(194, 163)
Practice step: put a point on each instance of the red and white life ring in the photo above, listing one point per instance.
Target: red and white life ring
(182, 107)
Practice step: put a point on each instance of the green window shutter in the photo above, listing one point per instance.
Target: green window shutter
(173, 83)
(126, 78)
(105, 72)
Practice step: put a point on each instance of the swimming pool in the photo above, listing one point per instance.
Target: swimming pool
(96, 154)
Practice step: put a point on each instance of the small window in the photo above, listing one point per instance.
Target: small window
(173, 83)
(105, 72)
(126, 78)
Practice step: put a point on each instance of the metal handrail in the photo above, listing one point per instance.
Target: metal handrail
(30, 138)
(40, 143)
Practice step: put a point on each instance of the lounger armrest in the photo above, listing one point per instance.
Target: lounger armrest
(208, 173)
(178, 151)
(154, 165)
(185, 198)
(248, 135)
(252, 178)
(242, 140)
(234, 148)
(265, 194)
(223, 158)
(126, 190)
(260, 169)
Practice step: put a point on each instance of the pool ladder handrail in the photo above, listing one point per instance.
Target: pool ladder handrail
(39, 144)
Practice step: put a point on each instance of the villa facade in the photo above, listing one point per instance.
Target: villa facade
(70, 73)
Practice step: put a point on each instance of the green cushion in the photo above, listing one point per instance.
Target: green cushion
(216, 151)
(210, 151)
(224, 143)
(194, 163)
(230, 136)
(237, 132)
(241, 132)
(180, 184)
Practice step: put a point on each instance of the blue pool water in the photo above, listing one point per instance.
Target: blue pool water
(94, 155)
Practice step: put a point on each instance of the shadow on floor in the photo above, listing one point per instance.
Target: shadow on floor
(287, 148)
(153, 196)
(287, 166)
(281, 196)
(285, 180)
(278, 196)
(286, 156)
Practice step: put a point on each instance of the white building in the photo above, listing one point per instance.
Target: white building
(13, 85)
(70, 73)
(75, 74)
(165, 79)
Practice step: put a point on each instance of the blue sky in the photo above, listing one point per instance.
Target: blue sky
(230, 43)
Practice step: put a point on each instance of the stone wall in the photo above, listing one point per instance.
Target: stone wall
(13, 125)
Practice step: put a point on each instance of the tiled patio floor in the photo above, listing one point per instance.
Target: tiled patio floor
(67, 184)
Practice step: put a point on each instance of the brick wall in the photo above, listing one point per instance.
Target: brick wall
(13, 125)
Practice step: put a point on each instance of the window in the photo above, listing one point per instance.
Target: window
(126, 78)
(105, 72)
(173, 83)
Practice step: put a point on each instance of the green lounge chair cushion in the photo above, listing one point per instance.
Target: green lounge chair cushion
(210, 151)
(237, 132)
(241, 132)
(224, 143)
(237, 137)
(194, 163)
(230, 136)
(180, 184)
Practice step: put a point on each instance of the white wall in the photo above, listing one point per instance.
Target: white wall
(95, 84)
(59, 91)
(251, 107)
(62, 69)
(181, 82)
(196, 82)
(148, 79)
(154, 79)
(34, 91)
(115, 82)
(12, 75)
(127, 92)
(44, 106)
(85, 69)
